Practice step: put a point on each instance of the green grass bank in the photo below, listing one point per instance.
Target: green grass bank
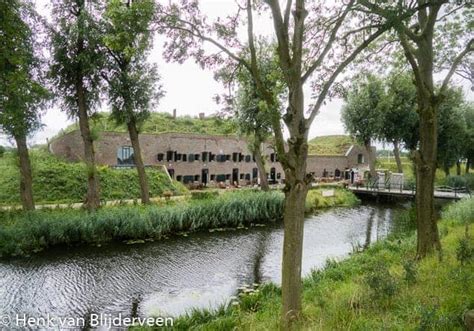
(57, 181)
(24, 233)
(381, 288)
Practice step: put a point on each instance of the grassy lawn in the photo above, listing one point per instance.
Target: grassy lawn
(57, 181)
(164, 122)
(381, 288)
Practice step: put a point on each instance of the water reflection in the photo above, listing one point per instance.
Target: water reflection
(172, 276)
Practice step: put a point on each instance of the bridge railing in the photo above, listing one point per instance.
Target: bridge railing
(374, 184)
(387, 186)
(455, 190)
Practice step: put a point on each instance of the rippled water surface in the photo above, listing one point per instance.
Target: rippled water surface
(173, 275)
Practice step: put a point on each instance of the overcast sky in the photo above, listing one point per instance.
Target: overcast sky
(190, 89)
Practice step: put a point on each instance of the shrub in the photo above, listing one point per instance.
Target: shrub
(466, 180)
(411, 271)
(203, 195)
(464, 251)
(455, 181)
(381, 283)
(409, 184)
(2, 151)
(315, 199)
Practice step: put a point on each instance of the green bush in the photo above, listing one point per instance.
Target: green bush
(466, 180)
(409, 184)
(2, 150)
(411, 271)
(381, 283)
(24, 232)
(464, 251)
(203, 195)
(342, 197)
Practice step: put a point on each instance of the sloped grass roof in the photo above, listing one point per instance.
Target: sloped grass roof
(330, 145)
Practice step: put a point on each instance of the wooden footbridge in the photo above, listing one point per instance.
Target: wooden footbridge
(440, 192)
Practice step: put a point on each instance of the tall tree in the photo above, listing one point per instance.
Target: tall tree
(132, 81)
(22, 93)
(76, 73)
(399, 118)
(252, 115)
(255, 126)
(436, 38)
(315, 43)
(452, 130)
(362, 113)
(468, 114)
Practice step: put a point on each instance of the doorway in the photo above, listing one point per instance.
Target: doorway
(204, 176)
(235, 175)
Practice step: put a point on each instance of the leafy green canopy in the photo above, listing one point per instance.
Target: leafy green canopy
(253, 117)
(132, 81)
(399, 116)
(361, 114)
(453, 135)
(77, 55)
(22, 94)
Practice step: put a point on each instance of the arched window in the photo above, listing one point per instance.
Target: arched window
(125, 156)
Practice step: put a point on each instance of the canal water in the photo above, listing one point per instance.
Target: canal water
(174, 275)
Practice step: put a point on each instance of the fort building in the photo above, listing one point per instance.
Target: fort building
(202, 158)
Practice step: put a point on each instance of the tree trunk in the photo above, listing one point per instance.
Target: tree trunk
(427, 228)
(92, 200)
(257, 152)
(296, 189)
(137, 156)
(293, 219)
(26, 179)
(468, 164)
(396, 153)
(458, 167)
(371, 160)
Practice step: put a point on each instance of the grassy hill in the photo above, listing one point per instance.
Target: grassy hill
(164, 122)
(330, 145)
(57, 181)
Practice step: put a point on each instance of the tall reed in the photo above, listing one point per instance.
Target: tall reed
(23, 233)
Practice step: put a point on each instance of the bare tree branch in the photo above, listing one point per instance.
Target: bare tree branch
(194, 31)
(286, 21)
(332, 37)
(254, 70)
(282, 36)
(457, 61)
(339, 69)
(379, 11)
(409, 53)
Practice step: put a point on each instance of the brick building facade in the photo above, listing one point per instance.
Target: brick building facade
(201, 158)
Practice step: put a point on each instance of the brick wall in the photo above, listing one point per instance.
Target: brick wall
(70, 147)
